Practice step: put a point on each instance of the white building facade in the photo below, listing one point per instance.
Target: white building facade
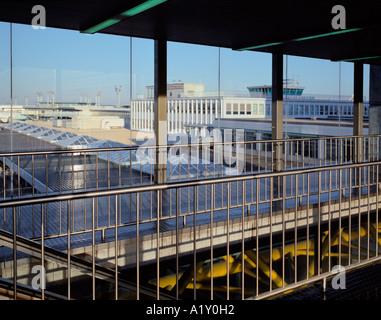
(188, 105)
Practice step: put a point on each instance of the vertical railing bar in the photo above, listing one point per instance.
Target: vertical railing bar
(188, 189)
(198, 159)
(345, 160)
(46, 174)
(96, 171)
(47, 218)
(272, 156)
(228, 241)
(120, 209)
(151, 166)
(266, 169)
(177, 240)
(141, 170)
(243, 241)
(130, 167)
(4, 183)
(72, 212)
(206, 187)
(212, 204)
(18, 177)
(120, 169)
(257, 239)
(271, 231)
(285, 155)
(43, 252)
(252, 171)
(108, 170)
(359, 215)
(170, 165)
(340, 202)
(14, 255)
(109, 211)
(180, 151)
(72, 175)
(325, 162)
(194, 248)
(350, 219)
(259, 156)
(330, 152)
(18, 191)
(93, 245)
(319, 225)
(33, 220)
(137, 248)
(60, 218)
(308, 224)
(151, 206)
(84, 170)
(329, 220)
(189, 160)
(158, 204)
(365, 155)
(68, 252)
(296, 229)
(283, 227)
(377, 211)
(59, 173)
(291, 156)
(85, 202)
(297, 154)
(251, 158)
(368, 222)
(116, 280)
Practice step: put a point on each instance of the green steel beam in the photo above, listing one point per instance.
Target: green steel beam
(322, 35)
(146, 5)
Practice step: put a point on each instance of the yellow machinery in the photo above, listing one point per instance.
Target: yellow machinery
(290, 252)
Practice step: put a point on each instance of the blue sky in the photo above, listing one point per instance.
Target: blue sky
(71, 64)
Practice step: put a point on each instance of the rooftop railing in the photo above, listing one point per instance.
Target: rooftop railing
(54, 172)
(235, 237)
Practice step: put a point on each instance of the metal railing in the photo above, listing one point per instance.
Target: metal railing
(67, 171)
(233, 238)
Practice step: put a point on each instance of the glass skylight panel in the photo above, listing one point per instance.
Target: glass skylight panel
(27, 129)
(50, 132)
(38, 132)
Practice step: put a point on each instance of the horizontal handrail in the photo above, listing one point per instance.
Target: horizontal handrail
(175, 185)
(211, 143)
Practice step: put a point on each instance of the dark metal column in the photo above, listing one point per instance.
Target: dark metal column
(277, 126)
(277, 109)
(375, 100)
(160, 111)
(358, 112)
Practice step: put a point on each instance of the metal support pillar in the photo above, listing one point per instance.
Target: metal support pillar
(375, 100)
(277, 109)
(358, 112)
(375, 107)
(277, 121)
(160, 111)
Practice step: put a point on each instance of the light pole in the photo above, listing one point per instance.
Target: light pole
(118, 90)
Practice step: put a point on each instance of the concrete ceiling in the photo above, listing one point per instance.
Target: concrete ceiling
(226, 23)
